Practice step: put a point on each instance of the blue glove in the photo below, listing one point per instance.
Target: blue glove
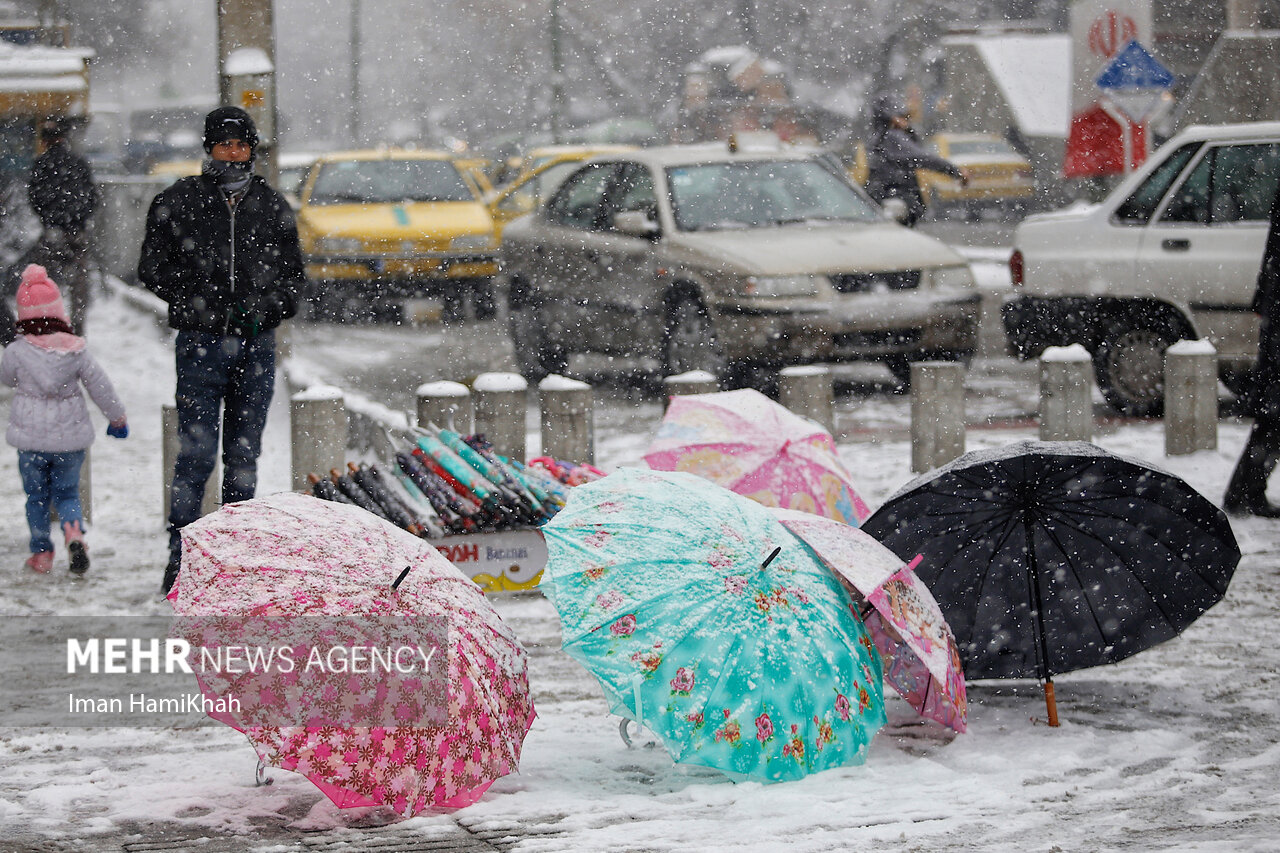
(121, 431)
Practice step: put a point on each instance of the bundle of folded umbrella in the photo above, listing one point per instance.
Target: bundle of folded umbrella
(446, 483)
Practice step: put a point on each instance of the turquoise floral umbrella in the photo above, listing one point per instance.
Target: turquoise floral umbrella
(705, 620)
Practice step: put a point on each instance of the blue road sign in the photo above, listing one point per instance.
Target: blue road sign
(1135, 68)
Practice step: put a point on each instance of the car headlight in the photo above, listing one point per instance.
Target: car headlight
(781, 285)
(957, 277)
(470, 242)
(340, 244)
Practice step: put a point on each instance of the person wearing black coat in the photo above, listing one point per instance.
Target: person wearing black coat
(62, 193)
(221, 249)
(1246, 493)
(895, 155)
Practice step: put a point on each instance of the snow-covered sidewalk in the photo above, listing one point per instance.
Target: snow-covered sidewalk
(1177, 748)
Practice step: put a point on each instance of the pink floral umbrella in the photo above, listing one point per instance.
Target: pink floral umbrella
(921, 659)
(749, 444)
(352, 652)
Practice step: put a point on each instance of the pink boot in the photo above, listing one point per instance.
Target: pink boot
(75, 547)
(41, 562)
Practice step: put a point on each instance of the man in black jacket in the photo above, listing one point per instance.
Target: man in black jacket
(895, 155)
(63, 195)
(221, 249)
(1246, 493)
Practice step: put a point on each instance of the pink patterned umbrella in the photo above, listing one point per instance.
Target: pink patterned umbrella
(352, 652)
(749, 444)
(921, 659)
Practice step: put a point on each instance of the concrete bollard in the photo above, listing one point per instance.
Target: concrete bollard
(445, 404)
(937, 413)
(807, 391)
(1190, 397)
(317, 433)
(169, 455)
(692, 382)
(568, 419)
(501, 400)
(1066, 394)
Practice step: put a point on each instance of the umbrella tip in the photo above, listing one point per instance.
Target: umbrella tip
(396, 583)
(769, 559)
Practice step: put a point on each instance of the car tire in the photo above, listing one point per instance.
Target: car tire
(690, 340)
(482, 302)
(1129, 365)
(536, 357)
(900, 367)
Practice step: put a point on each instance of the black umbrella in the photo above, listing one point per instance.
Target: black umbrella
(1048, 557)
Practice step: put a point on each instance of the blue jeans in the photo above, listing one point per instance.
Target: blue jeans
(50, 478)
(234, 376)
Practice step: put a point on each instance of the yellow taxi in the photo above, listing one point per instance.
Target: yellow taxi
(387, 223)
(541, 172)
(171, 170)
(998, 174)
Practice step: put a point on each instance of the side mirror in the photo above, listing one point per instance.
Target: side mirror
(635, 223)
(895, 208)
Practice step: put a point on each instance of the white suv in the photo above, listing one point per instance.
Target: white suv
(1173, 252)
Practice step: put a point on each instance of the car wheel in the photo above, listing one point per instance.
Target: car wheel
(690, 341)
(482, 299)
(1238, 381)
(1129, 365)
(536, 357)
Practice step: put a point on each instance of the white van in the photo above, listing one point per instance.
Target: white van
(1173, 252)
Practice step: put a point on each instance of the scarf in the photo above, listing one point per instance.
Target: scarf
(43, 326)
(230, 177)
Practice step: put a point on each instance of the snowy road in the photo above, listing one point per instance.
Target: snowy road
(1177, 748)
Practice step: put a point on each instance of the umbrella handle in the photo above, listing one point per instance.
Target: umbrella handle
(1050, 702)
(260, 777)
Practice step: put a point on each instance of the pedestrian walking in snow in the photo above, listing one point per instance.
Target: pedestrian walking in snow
(895, 155)
(221, 248)
(63, 195)
(1246, 493)
(48, 418)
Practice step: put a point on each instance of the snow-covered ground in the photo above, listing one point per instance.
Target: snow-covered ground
(1177, 748)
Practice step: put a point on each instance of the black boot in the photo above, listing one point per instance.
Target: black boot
(1246, 493)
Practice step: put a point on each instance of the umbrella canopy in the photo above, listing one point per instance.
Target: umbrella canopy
(350, 651)
(921, 660)
(1048, 557)
(749, 444)
(706, 621)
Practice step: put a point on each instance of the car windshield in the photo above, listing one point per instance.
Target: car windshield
(761, 194)
(983, 147)
(388, 181)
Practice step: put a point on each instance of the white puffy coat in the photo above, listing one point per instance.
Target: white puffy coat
(48, 411)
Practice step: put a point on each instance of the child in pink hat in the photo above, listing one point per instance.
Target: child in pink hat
(48, 418)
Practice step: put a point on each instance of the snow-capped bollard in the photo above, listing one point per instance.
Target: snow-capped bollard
(445, 404)
(692, 382)
(937, 413)
(807, 391)
(501, 400)
(568, 419)
(1066, 394)
(169, 455)
(1190, 397)
(317, 433)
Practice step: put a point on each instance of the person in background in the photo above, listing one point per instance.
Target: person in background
(62, 193)
(48, 418)
(221, 248)
(1247, 491)
(894, 156)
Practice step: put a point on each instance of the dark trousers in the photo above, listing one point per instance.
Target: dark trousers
(231, 376)
(1248, 486)
(50, 479)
